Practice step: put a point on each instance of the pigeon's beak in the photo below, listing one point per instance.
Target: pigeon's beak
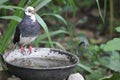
(33, 12)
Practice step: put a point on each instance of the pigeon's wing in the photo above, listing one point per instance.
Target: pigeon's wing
(16, 35)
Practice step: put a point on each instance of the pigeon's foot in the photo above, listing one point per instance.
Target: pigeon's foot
(30, 49)
(22, 50)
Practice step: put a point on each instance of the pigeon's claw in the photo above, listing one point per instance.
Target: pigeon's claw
(30, 49)
(22, 49)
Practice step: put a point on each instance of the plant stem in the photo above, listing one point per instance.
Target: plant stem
(111, 18)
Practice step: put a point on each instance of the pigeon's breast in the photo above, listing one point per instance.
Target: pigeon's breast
(29, 29)
(26, 40)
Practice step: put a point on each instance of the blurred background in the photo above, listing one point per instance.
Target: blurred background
(67, 23)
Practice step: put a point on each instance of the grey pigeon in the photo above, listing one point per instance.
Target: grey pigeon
(27, 30)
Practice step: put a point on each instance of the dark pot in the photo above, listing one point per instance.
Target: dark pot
(52, 73)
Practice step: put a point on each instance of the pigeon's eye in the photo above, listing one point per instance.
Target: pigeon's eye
(29, 11)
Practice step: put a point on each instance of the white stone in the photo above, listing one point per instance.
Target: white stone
(76, 76)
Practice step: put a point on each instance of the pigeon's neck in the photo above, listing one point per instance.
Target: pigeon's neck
(32, 17)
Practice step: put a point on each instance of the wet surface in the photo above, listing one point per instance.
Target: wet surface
(37, 63)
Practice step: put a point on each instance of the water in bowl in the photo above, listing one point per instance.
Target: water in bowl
(37, 63)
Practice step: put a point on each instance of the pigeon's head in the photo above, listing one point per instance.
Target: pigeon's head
(30, 11)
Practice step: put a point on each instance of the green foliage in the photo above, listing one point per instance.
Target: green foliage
(16, 18)
(59, 6)
(96, 64)
(72, 3)
(85, 3)
(9, 31)
(3, 1)
(102, 14)
(115, 76)
(44, 36)
(112, 62)
(118, 29)
(114, 44)
(106, 77)
(95, 75)
(10, 7)
(55, 15)
(43, 24)
(41, 4)
(86, 68)
(89, 62)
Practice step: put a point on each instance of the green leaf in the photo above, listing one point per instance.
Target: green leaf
(43, 24)
(72, 3)
(85, 67)
(118, 29)
(106, 77)
(57, 16)
(43, 36)
(16, 18)
(10, 7)
(36, 2)
(112, 62)
(58, 44)
(3, 1)
(112, 45)
(41, 4)
(31, 2)
(115, 76)
(100, 12)
(95, 75)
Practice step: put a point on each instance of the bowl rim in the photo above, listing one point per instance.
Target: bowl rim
(51, 68)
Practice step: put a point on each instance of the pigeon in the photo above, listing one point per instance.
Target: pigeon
(27, 30)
